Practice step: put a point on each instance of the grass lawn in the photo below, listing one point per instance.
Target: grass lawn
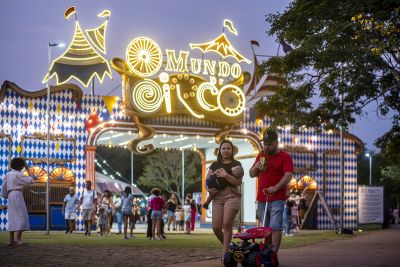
(202, 240)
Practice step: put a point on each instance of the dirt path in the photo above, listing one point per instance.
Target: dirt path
(378, 248)
(64, 255)
(375, 249)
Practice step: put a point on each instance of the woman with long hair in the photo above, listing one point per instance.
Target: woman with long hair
(107, 204)
(226, 203)
(127, 205)
(157, 206)
(172, 203)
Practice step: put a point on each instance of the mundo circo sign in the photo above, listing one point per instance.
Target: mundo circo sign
(159, 82)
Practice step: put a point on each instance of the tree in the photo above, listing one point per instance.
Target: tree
(389, 144)
(334, 56)
(163, 169)
(392, 174)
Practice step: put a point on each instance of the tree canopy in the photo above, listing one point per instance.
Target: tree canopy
(163, 169)
(346, 49)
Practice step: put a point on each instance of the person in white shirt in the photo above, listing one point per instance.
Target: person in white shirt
(178, 218)
(13, 182)
(188, 210)
(69, 208)
(88, 203)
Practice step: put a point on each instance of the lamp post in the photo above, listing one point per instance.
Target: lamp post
(370, 167)
(50, 45)
(183, 175)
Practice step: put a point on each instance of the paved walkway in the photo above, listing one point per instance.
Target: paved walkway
(377, 248)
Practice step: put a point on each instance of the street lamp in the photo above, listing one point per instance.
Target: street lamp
(50, 45)
(370, 167)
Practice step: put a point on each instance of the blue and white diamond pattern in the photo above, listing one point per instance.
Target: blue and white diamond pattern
(66, 118)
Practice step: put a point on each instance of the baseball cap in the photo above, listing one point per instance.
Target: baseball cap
(269, 136)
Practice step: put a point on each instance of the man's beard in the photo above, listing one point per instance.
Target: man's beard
(272, 152)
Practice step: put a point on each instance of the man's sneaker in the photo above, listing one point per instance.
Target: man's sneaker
(288, 235)
(132, 236)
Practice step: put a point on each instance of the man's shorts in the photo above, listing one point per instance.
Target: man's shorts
(70, 215)
(156, 214)
(274, 214)
(87, 214)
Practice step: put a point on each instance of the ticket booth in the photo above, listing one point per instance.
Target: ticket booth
(61, 178)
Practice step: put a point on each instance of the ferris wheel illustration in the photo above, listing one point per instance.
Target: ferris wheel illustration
(144, 56)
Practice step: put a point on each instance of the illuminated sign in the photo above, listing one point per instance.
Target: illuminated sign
(81, 61)
(159, 82)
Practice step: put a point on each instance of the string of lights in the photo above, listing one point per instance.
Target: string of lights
(112, 173)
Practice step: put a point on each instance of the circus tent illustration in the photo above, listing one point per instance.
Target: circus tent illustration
(81, 60)
(222, 46)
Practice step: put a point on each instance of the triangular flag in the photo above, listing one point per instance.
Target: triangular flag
(110, 102)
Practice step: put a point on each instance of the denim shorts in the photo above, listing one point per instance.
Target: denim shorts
(274, 214)
(127, 212)
(171, 213)
(156, 214)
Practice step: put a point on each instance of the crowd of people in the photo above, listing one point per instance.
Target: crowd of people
(127, 211)
(272, 167)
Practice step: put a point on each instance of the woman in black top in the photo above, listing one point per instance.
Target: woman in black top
(226, 203)
(171, 208)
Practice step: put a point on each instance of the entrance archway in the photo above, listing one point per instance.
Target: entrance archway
(179, 137)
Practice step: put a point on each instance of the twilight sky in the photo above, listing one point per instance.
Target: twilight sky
(26, 27)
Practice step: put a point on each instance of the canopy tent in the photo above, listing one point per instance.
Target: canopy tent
(115, 186)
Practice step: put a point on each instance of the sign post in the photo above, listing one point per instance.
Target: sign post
(370, 204)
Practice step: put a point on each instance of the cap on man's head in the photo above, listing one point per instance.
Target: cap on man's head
(269, 136)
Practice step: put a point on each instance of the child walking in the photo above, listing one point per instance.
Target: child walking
(178, 216)
(13, 183)
(188, 210)
(102, 220)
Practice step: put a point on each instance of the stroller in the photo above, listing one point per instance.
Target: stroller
(248, 251)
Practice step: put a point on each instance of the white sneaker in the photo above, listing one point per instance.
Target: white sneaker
(288, 235)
